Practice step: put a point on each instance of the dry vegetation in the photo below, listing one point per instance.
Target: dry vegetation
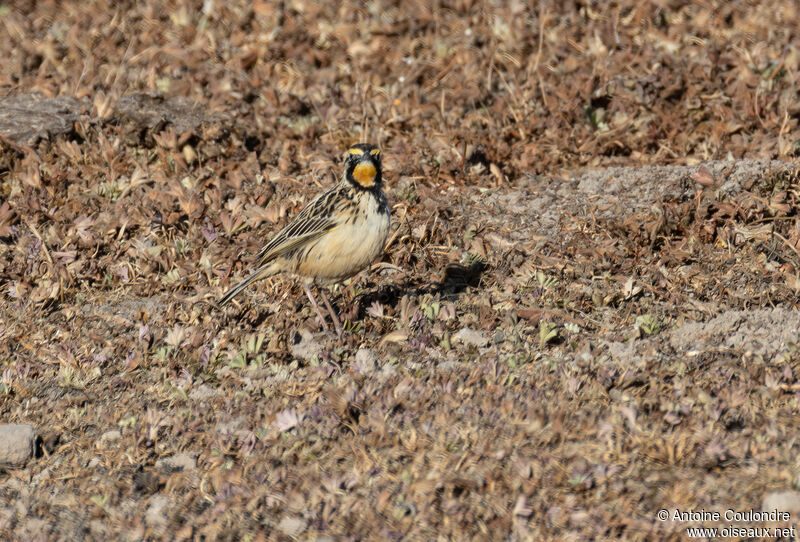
(542, 353)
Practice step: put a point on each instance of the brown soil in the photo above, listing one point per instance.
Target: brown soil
(586, 312)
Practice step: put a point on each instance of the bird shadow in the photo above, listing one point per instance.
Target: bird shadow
(457, 278)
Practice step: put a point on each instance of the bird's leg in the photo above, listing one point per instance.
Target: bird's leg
(332, 312)
(315, 305)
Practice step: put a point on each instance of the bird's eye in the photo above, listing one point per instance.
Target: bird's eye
(375, 152)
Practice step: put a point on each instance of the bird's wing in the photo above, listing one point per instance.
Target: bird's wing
(315, 220)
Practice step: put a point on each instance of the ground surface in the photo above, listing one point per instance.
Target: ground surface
(585, 313)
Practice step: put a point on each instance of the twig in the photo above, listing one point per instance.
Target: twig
(786, 241)
(529, 314)
(38, 236)
(538, 58)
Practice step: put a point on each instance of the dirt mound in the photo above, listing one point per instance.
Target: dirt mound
(29, 118)
(764, 332)
(584, 314)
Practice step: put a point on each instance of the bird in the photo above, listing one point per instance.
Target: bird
(335, 236)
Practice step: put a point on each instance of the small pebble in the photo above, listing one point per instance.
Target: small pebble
(305, 346)
(17, 444)
(109, 437)
(782, 501)
(365, 361)
(155, 516)
(470, 337)
(291, 525)
(202, 393)
(177, 463)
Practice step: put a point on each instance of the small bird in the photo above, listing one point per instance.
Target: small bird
(335, 236)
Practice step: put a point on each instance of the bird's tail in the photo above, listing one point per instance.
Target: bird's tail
(260, 273)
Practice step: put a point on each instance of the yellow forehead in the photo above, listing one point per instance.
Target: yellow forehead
(359, 152)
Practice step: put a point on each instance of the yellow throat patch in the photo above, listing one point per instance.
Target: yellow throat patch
(365, 173)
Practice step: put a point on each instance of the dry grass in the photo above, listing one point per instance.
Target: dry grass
(146, 151)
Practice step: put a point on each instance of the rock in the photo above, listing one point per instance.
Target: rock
(41, 477)
(231, 426)
(387, 372)
(17, 444)
(202, 393)
(287, 419)
(292, 525)
(763, 331)
(109, 437)
(34, 527)
(141, 115)
(585, 356)
(98, 529)
(20, 508)
(155, 515)
(6, 517)
(470, 337)
(305, 346)
(28, 118)
(177, 463)
(522, 508)
(365, 361)
(782, 501)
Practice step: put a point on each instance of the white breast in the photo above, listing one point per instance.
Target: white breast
(350, 247)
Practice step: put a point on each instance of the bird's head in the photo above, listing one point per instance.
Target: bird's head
(363, 166)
